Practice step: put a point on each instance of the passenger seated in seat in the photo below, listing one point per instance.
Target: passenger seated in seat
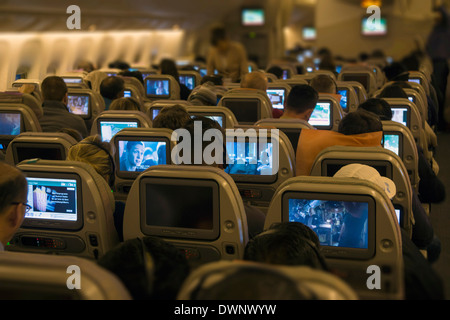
(56, 114)
(203, 95)
(112, 88)
(173, 117)
(300, 104)
(13, 202)
(289, 243)
(153, 272)
(255, 217)
(323, 83)
(360, 128)
(98, 154)
(168, 67)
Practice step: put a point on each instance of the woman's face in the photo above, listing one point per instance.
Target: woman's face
(136, 155)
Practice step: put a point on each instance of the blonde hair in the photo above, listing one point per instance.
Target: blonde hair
(94, 152)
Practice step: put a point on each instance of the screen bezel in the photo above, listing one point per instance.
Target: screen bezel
(244, 100)
(100, 120)
(84, 116)
(175, 232)
(23, 144)
(339, 252)
(367, 76)
(164, 96)
(400, 141)
(133, 175)
(330, 126)
(247, 178)
(30, 223)
(21, 122)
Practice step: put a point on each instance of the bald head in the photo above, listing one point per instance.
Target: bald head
(255, 80)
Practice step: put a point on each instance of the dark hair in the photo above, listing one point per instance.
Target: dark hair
(393, 91)
(276, 70)
(111, 87)
(360, 122)
(216, 79)
(302, 98)
(218, 34)
(323, 83)
(396, 72)
(129, 104)
(73, 133)
(53, 88)
(13, 186)
(379, 107)
(171, 117)
(290, 243)
(168, 67)
(132, 74)
(170, 268)
(118, 64)
(206, 125)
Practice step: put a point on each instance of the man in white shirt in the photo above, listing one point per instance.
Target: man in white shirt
(13, 202)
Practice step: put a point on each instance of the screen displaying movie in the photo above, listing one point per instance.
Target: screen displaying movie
(342, 224)
(109, 128)
(52, 199)
(159, 88)
(374, 27)
(138, 156)
(250, 158)
(400, 115)
(127, 94)
(398, 213)
(392, 142)
(344, 98)
(78, 104)
(277, 97)
(412, 99)
(414, 80)
(178, 206)
(245, 111)
(36, 151)
(321, 116)
(10, 123)
(188, 81)
(253, 17)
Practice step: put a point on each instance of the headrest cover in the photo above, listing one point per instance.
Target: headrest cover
(364, 172)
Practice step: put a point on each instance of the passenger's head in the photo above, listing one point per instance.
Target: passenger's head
(119, 64)
(168, 67)
(219, 38)
(112, 87)
(96, 153)
(301, 101)
(360, 122)
(54, 88)
(276, 71)
(129, 104)
(73, 133)
(379, 107)
(215, 79)
(291, 244)
(203, 95)
(393, 91)
(133, 74)
(396, 72)
(155, 272)
(323, 84)
(206, 124)
(171, 117)
(13, 200)
(254, 80)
